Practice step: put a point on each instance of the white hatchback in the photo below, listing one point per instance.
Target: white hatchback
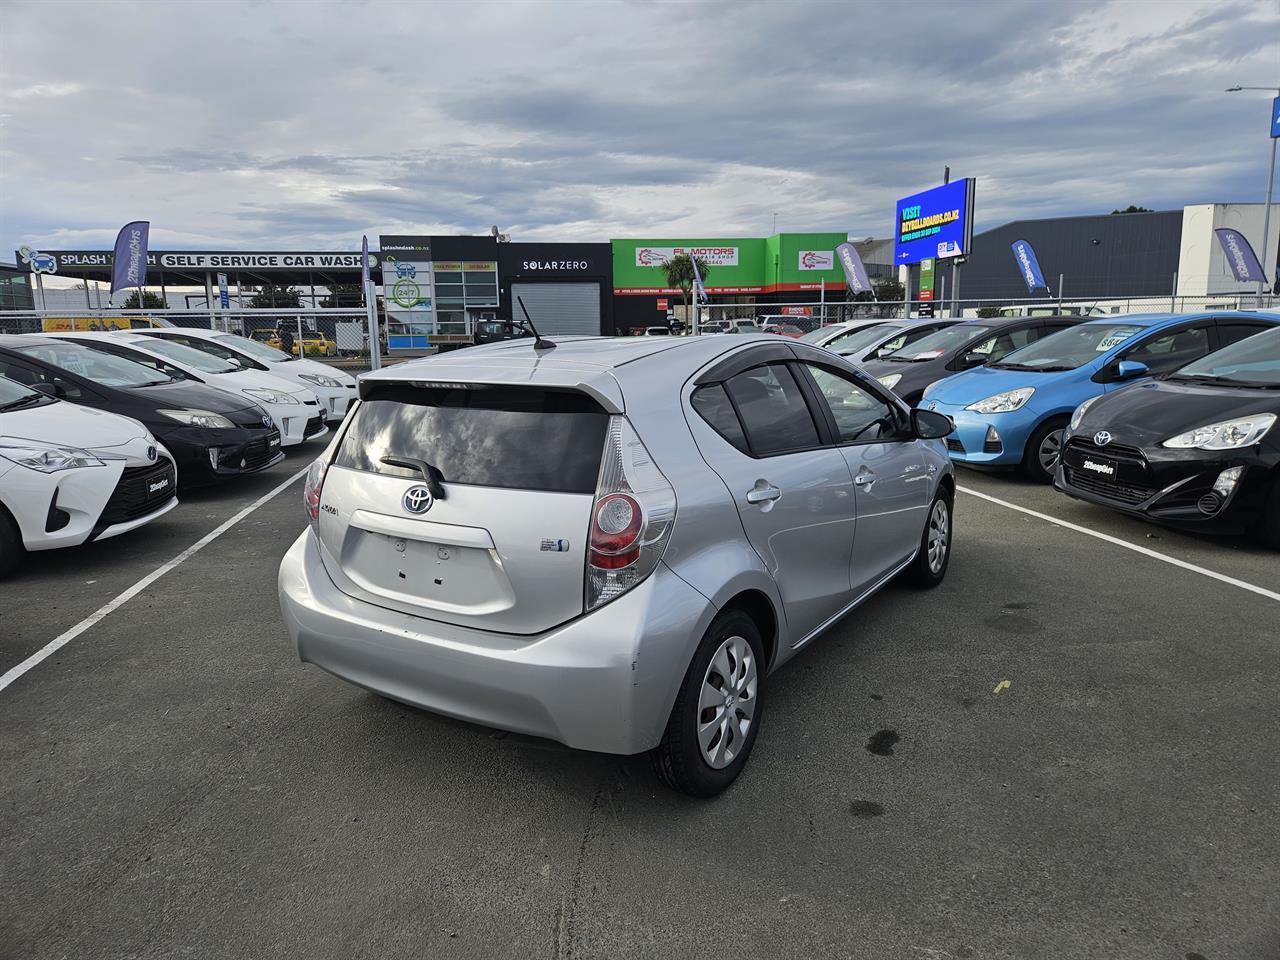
(335, 389)
(70, 474)
(295, 410)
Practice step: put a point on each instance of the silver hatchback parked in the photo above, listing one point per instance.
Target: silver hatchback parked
(611, 543)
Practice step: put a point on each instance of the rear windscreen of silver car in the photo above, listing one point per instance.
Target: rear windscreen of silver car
(518, 438)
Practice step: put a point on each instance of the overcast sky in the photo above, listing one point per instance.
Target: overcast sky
(304, 125)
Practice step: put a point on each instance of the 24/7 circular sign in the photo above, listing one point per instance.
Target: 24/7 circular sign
(406, 292)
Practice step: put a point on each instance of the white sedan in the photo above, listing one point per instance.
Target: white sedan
(335, 389)
(294, 409)
(70, 474)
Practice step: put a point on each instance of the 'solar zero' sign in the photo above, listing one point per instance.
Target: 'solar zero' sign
(711, 256)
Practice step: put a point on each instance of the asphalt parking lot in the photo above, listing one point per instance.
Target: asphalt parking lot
(1070, 749)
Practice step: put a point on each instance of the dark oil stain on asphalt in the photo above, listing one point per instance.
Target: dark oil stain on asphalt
(967, 702)
(882, 741)
(1195, 956)
(866, 808)
(876, 696)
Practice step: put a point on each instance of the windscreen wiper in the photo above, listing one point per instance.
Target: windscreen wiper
(430, 473)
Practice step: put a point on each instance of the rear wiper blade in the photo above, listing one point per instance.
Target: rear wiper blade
(430, 473)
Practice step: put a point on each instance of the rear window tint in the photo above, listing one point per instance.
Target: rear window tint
(522, 439)
(712, 404)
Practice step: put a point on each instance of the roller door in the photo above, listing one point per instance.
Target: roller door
(562, 309)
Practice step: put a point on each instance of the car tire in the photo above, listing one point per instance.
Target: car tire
(730, 656)
(929, 567)
(11, 549)
(1045, 440)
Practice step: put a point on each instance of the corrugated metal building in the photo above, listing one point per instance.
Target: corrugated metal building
(1113, 255)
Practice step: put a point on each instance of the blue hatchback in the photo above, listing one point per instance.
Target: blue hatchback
(1012, 413)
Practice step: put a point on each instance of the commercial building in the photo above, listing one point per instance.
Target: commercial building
(15, 290)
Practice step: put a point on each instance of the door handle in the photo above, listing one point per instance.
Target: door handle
(865, 478)
(760, 494)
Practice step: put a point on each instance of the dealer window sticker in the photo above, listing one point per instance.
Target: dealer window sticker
(1114, 338)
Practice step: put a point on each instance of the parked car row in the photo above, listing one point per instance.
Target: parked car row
(1169, 417)
(99, 431)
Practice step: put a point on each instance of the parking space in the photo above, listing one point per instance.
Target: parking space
(1068, 749)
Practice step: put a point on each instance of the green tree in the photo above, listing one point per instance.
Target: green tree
(679, 273)
(150, 301)
(889, 290)
(1132, 209)
(276, 295)
(343, 295)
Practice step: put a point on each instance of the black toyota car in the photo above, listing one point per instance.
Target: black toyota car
(1199, 449)
(211, 434)
(907, 372)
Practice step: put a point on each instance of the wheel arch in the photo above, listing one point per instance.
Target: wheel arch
(759, 607)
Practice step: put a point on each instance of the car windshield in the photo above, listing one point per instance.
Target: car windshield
(818, 335)
(259, 351)
(14, 395)
(104, 368)
(862, 340)
(181, 353)
(936, 344)
(1070, 348)
(1254, 361)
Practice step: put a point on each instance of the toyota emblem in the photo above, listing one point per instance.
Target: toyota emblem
(1101, 438)
(417, 499)
(152, 453)
(266, 421)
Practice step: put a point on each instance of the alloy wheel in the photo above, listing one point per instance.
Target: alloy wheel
(727, 702)
(939, 536)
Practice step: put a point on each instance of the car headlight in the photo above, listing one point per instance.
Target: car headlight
(319, 379)
(1003, 402)
(198, 418)
(269, 396)
(890, 381)
(45, 457)
(1079, 414)
(1227, 435)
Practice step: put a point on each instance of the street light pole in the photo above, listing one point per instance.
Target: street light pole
(1268, 269)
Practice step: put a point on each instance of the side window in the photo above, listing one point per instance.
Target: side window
(1229, 333)
(31, 375)
(774, 414)
(1169, 351)
(712, 405)
(860, 416)
(994, 348)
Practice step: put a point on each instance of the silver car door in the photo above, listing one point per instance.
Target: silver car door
(890, 477)
(793, 492)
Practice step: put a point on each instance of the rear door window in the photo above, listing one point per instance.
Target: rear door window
(712, 404)
(773, 410)
(522, 439)
(1229, 333)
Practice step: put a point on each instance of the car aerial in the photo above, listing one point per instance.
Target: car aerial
(1199, 449)
(334, 388)
(210, 435)
(886, 337)
(962, 346)
(613, 542)
(1012, 413)
(70, 474)
(293, 408)
(833, 333)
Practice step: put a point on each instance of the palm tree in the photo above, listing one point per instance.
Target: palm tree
(679, 272)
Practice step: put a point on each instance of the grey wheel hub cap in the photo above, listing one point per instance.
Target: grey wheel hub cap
(1050, 448)
(727, 702)
(939, 535)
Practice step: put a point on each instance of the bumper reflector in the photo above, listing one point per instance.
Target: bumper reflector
(992, 442)
(1227, 481)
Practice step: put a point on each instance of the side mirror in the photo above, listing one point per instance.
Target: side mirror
(970, 360)
(931, 425)
(48, 389)
(884, 352)
(1131, 370)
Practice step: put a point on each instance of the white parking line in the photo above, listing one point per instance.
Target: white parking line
(53, 646)
(1145, 551)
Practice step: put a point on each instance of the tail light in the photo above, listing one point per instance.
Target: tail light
(312, 488)
(631, 519)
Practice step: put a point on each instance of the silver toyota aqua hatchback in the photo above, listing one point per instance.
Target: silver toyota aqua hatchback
(611, 542)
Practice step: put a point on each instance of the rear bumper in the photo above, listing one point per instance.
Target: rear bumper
(605, 681)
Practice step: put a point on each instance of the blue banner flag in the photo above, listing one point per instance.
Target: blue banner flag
(1240, 256)
(1028, 265)
(855, 274)
(699, 291)
(364, 262)
(129, 268)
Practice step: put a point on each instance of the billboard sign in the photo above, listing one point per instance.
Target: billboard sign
(816, 260)
(935, 224)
